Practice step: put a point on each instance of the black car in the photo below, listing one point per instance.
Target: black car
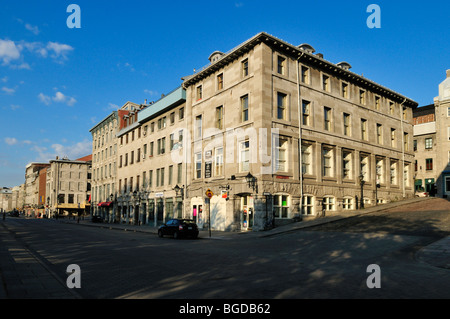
(97, 219)
(179, 228)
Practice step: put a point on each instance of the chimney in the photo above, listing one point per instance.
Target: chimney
(57, 157)
(448, 74)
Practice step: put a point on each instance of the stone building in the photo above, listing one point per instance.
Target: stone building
(250, 109)
(223, 148)
(6, 199)
(33, 199)
(68, 187)
(432, 144)
(150, 135)
(104, 165)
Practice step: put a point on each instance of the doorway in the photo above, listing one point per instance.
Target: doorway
(247, 212)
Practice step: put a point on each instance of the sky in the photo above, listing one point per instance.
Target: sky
(57, 82)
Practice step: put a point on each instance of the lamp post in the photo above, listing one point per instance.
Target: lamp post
(251, 180)
(180, 192)
(361, 182)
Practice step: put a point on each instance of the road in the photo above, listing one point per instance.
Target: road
(328, 261)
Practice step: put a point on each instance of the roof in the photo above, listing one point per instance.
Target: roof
(300, 54)
(87, 158)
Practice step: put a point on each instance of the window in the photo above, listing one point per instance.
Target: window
(344, 90)
(391, 108)
(379, 134)
(162, 176)
(346, 165)
(305, 74)
(281, 206)
(448, 133)
(180, 173)
(347, 203)
(405, 113)
(163, 145)
(377, 103)
(150, 179)
(428, 143)
(393, 173)
(281, 106)
(328, 203)
(198, 165)
(364, 166)
(281, 146)
(218, 161)
(327, 162)
(244, 65)
(244, 158)
(181, 113)
(219, 117)
(172, 118)
(406, 141)
(364, 129)
(244, 108)
(406, 175)
(126, 159)
(362, 97)
(71, 198)
(198, 126)
(327, 118)
(172, 141)
(170, 175)
(429, 164)
(393, 137)
(138, 155)
(220, 81)
(306, 112)
(325, 82)
(199, 93)
(151, 149)
(281, 65)
(380, 170)
(308, 205)
(347, 125)
(306, 159)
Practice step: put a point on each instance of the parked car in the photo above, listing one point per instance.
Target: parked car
(179, 228)
(421, 193)
(97, 219)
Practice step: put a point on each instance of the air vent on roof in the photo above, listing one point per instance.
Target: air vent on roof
(344, 65)
(306, 47)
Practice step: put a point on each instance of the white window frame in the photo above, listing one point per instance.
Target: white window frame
(244, 156)
(280, 210)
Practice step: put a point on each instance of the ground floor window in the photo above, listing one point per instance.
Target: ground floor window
(281, 206)
(308, 205)
(328, 203)
(347, 203)
(447, 184)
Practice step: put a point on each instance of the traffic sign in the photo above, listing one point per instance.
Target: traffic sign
(209, 193)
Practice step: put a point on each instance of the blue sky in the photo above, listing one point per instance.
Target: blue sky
(57, 82)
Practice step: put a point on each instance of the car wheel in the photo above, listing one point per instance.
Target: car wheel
(160, 234)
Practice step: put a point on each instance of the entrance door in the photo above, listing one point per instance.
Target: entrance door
(160, 211)
(247, 212)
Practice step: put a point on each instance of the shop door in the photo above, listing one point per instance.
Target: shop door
(247, 215)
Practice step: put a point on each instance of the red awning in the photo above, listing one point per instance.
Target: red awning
(104, 204)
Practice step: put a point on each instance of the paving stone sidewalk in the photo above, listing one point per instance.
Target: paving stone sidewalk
(23, 275)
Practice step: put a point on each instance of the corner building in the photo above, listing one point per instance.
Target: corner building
(247, 113)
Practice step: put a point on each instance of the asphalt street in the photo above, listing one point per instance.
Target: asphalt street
(328, 261)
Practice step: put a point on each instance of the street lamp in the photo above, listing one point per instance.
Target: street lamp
(361, 182)
(251, 180)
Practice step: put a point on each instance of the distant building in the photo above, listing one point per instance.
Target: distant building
(104, 165)
(68, 187)
(34, 195)
(6, 199)
(432, 144)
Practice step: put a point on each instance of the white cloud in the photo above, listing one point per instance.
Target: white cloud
(44, 98)
(15, 107)
(8, 51)
(4, 79)
(8, 91)
(150, 92)
(72, 152)
(12, 53)
(59, 50)
(11, 140)
(31, 28)
(58, 98)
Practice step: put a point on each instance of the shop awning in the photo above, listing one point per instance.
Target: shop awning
(104, 204)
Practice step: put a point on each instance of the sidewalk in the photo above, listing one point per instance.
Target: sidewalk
(24, 276)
